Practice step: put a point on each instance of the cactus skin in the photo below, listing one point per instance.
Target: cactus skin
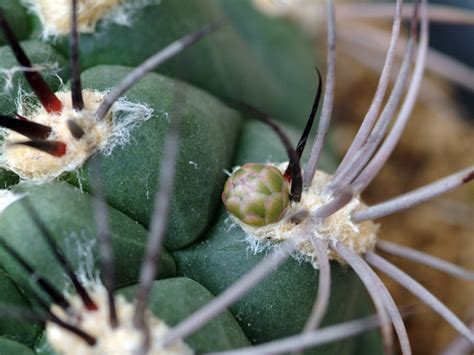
(18, 18)
(24, 331)
(257, 194)
(7, 178)
(8, 346)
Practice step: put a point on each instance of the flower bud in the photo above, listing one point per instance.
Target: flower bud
(257, 194)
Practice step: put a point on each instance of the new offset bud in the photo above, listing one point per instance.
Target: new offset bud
(257, 194)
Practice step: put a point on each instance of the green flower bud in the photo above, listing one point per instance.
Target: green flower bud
(257, 194)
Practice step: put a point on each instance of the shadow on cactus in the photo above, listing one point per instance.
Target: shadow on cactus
(313, 223)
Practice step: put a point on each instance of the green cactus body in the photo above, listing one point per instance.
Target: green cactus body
(25, 332)
(18, 17)
(206, 256)
(8, 346)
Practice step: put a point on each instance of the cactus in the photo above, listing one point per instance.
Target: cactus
(102, 180)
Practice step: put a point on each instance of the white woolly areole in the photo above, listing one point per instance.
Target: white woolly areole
(55, 15)
(7, 198)
(126, 339)
(360, 238)
(100, 135)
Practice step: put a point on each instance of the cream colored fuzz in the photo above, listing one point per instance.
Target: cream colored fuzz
(124, 340)
(360, 238)
(33, 164)
(55, 15)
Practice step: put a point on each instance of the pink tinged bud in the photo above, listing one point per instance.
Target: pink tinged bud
(257, 194)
